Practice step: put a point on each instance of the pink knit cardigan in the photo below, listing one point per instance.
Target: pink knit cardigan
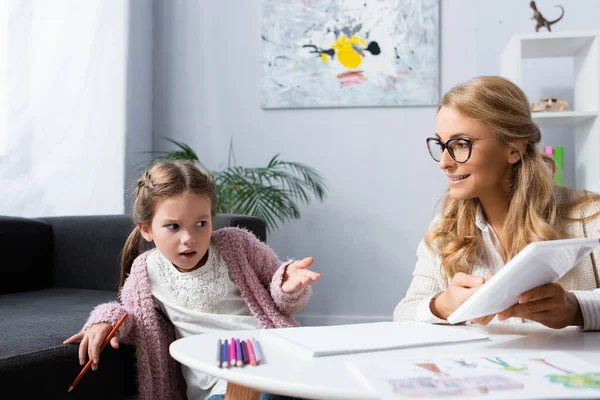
(255, 270)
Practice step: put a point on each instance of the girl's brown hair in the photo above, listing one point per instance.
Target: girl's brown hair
(534, 210)
(166, 179)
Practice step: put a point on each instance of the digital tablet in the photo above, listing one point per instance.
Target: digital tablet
(538, 264)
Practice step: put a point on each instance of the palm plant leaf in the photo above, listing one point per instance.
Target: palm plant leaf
(183, 152)
(269, 193)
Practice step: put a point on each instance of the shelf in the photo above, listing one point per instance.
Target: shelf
(554, 44)
(562, 119)
(584, 48)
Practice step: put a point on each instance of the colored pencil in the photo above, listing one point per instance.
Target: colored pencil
(219, 353)
(244, 352)
(257, 352)
(233, 356)
(251, 358)
(106, 341)
(226, 354)
(238, 350)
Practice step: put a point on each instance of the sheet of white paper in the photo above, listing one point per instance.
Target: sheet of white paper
(317, 341)
(529, 375)
(538, 264)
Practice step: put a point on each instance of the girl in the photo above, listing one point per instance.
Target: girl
(194, 281)
(501, 197)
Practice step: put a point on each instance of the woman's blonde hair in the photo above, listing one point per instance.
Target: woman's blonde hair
(166, 179)
(534, 211)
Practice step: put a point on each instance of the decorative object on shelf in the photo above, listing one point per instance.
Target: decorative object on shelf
(550, 104)
(555, 153)
(559, 154)
(542, 22)
(353, 53)
(270, 193)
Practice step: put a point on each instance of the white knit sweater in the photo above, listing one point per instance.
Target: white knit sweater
(583, 279)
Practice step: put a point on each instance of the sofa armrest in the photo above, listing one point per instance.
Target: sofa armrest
(86, 250)
(25, 245)
(253, 224)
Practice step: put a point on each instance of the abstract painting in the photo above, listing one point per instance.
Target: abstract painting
(350, 53)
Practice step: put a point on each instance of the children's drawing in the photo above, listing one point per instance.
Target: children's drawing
(578, 381)
(505, 365)
(545, 362)
(460, 386)
(493, 376)
(465, 364)
(431, 367)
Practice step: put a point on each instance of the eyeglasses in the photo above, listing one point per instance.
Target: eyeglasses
(459, 148)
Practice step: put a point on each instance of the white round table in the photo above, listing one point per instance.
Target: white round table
(284, 372)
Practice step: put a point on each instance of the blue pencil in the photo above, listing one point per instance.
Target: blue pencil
(244, 353)
(225, 363)
(219, 353)
(238, 350)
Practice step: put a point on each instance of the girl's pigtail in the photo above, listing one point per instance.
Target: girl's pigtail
(130, 251)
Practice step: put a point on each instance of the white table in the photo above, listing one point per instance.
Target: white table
(329, 377)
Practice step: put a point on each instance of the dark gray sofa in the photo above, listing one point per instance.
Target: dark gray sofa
(53, 272)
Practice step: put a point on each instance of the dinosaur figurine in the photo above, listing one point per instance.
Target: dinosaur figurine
(541, 21)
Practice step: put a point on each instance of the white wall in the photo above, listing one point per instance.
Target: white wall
(66, 116)
(383, 185)
(3, 74)
(139, 64)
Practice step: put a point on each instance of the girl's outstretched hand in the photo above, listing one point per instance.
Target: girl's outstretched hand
(297, 276)
(91, 342)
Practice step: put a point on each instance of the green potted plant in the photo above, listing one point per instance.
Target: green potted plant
(271, 193)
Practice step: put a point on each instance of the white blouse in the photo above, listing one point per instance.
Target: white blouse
(428, 282)
(201, 301)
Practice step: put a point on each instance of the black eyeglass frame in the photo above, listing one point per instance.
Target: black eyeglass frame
(445, 146)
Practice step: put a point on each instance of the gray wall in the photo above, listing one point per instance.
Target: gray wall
(383, 185)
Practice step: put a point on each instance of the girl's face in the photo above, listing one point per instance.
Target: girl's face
(487, 170)
(181, 230)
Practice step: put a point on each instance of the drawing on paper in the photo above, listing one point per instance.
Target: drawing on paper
(578, 381)
(505, 365)
(463, 386)
(550, 374)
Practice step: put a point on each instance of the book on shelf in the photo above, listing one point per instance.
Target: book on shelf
(557, 153)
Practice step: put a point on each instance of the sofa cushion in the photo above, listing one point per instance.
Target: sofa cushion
(33, 358)
(87, 250)
(25, 245)
(41, 320)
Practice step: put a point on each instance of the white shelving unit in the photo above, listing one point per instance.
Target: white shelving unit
(584, 48)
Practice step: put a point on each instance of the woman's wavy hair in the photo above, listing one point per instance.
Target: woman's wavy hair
(165, 179)
(534, 209)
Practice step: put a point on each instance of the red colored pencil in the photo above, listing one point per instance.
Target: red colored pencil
(251, 358)
(106, 341)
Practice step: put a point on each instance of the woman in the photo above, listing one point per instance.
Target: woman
(501, 197)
